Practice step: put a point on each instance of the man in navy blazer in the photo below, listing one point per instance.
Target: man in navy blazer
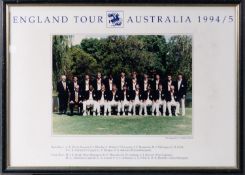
(160, 100)
(148, 99)
(181, 88)
(125, 100)
(172, 100)
(156, 82)
(113, 98)
(133, 81)
(136, 98)
(63, 94)
(75, 99)
(73, 84)
(145, 83)
(86, 84)
(89, 99)
(97, 83)
(168, 83)
(109, 82)
(121, 81)
(102, 100)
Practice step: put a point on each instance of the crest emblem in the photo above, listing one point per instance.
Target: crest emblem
(114, 19)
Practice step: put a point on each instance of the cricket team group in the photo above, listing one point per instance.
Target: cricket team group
(123, 96)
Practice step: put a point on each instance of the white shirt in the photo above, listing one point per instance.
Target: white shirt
(179, 83)
(102, 96)
(172, 97)
(160, 93)
(137, 95)
(169, 84)
(125, 96)
(75, 84)
(122, 82)
(76, 96)
(110, 84)
(86, 85)
(90, 95)
(134, 83)
(145, 84)
(113, 96)
(98, 84)
(157, 83)
(64, 85)
(148, 95)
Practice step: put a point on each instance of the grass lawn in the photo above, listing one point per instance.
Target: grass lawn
(115, 125)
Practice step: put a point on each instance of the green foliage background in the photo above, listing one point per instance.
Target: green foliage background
(115, 53)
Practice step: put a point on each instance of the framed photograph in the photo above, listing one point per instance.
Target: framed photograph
(122, 87)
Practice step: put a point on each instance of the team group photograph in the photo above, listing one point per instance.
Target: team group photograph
(123, 94)
(122, 84)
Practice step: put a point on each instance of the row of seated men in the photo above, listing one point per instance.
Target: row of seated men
(124, 96)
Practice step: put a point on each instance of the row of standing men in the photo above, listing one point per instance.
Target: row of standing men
(124, 94)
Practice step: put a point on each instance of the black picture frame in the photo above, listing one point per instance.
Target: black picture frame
(3, 89)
